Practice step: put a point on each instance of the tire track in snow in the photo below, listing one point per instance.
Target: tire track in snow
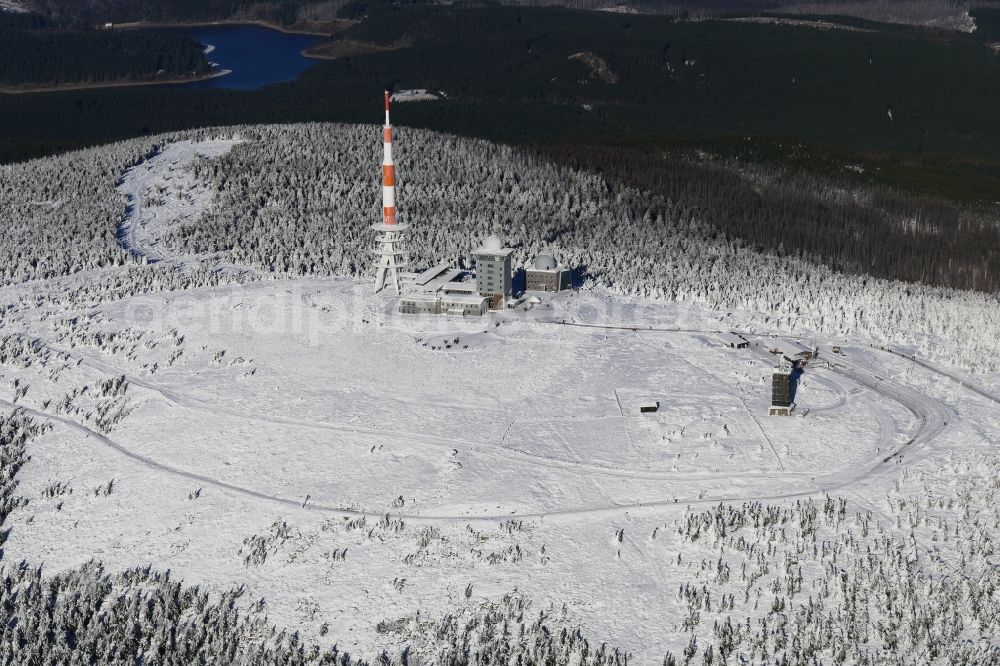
(931, 415)
(298, 504)
(499, 451)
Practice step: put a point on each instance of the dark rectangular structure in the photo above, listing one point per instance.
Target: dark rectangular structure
(781, 388)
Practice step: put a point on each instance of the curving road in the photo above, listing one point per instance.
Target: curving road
(932, 418)
(978, 390)
(310, 506)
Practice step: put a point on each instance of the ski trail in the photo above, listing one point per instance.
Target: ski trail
(148, 217)
(297, 504)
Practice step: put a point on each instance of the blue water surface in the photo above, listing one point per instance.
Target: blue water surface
(257, 56)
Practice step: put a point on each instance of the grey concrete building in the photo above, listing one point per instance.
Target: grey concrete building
(466, 305)
(493, 272)
(437, 291)
(420, 304)
(546, 275)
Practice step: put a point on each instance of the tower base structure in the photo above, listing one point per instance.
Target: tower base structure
(391, 259)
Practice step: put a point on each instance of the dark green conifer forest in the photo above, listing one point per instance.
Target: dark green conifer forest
(35, 51)
(873, 148)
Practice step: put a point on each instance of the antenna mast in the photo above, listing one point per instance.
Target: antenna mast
(390, 258)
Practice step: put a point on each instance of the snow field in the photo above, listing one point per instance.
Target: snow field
(294, 435)
(304, 429)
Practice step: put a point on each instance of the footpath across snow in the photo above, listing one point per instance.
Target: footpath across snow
(298, 435)
(361, 474)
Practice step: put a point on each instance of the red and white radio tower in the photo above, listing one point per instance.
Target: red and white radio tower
(391, 259)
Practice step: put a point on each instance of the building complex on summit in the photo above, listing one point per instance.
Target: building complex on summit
(441, 289)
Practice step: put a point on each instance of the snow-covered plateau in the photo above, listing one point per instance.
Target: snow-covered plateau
(204, 383)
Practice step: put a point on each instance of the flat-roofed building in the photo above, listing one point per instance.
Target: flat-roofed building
(420, 304)
(493, 272)
(547, 275)
(734, 340)
(436, 291)
(784, 381)
(466, 305)
(460, 288)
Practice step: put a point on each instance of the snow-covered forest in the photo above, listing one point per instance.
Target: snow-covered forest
(92, 616)
(299, 199)
(903, 578)
(835, 581)
(824, 581)
(307, 211)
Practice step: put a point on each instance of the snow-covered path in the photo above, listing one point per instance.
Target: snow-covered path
(307, 405)
(161, 192)
(795, 484)
(311, 506)
(964, 383)
(686, 487)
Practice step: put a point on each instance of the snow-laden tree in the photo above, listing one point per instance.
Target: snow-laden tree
(299, 200)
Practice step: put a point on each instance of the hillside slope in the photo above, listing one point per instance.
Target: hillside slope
(299, 199)
(325, 474)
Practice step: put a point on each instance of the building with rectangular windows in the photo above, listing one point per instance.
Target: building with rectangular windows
(438, 291)
(442, 289)
(420, 304)
(465, 305)
(494, 277)
(546, 275)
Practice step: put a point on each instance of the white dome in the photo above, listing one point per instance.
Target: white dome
(545, 262)
(492, 243)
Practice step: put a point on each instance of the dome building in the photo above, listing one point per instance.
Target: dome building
(545, 262)
(493, 242)
(547, 275)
